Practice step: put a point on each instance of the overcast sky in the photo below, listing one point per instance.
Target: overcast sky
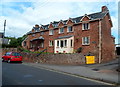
(22, 15)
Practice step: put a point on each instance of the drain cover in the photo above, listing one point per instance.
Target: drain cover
(95, 69)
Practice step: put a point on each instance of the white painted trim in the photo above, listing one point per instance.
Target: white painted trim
(85, 16)
(60, 22)
(69, 20)
(100, 42)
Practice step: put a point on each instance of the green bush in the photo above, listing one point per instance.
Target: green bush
(79, 50)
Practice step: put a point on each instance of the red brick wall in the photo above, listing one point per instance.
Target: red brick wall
(108, 45)
(107, 42)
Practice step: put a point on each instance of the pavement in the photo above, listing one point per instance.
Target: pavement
(105, 72)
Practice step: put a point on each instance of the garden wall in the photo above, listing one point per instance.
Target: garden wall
(69, 59)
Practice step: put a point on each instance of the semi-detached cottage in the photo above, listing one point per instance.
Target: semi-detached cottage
(90, 33)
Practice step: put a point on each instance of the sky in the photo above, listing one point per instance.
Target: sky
(22, 15)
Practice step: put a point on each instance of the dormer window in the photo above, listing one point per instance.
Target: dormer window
(85, 26)
(51, 32)
(41, 33)
(61, 30)
(33, 35)
(70, 29)
(55, 25)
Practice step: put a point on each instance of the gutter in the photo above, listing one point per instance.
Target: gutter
(100, 42)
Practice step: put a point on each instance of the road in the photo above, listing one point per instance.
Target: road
(20, 74)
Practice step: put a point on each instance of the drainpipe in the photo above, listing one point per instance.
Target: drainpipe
(100, 41)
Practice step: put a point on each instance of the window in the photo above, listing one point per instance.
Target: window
(61, 30)
(50, 43)
(24, 43)
(58, 43)
(16, 54)
(42, 44)
(71, 43)
(41, 33)
(70, 29)
(85, 26)
(65, 43)
(33, 35)
(55, 25)
(7, 54)
(85, 40)
(61, 43)
(51, 32)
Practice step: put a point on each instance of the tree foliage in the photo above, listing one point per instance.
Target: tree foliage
(14, 42)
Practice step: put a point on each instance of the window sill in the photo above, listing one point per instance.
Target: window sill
(85, 29)
(85, 44)
(69, 31)
(61, 33)
(51, 46)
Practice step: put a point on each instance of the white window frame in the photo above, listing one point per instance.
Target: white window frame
(68, 29)
(51, 32)
(51, 43)
(83, 27)
(60, 30)
(84, 42)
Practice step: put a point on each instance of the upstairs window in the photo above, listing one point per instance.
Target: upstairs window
(61, 30)
(85, 40)
(33, 35)
(70, 29)
(85, 26)
(24, 43)
(41, 33)
(51, 32)
(50, 43)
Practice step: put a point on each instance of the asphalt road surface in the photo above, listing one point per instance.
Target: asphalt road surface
(20, 74)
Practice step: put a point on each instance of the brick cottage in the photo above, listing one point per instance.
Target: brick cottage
(89, 33)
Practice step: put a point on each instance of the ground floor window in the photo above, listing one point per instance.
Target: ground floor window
(85, 40)
(42, 44)
(71, 43)
(61, 43)
(50, 43)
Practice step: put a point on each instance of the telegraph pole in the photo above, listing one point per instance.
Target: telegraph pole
(4, 31)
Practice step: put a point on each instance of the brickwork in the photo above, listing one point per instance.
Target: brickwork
(107, 42)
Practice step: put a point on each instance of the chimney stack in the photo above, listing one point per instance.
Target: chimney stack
(36, 26)
(104, 8)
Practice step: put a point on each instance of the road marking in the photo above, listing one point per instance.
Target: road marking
(70, 74)
(40, 80)
(28, 75)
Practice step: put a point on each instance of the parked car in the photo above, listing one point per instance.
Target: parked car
(12, 56)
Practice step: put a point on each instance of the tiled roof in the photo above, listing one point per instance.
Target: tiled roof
(94, 16)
